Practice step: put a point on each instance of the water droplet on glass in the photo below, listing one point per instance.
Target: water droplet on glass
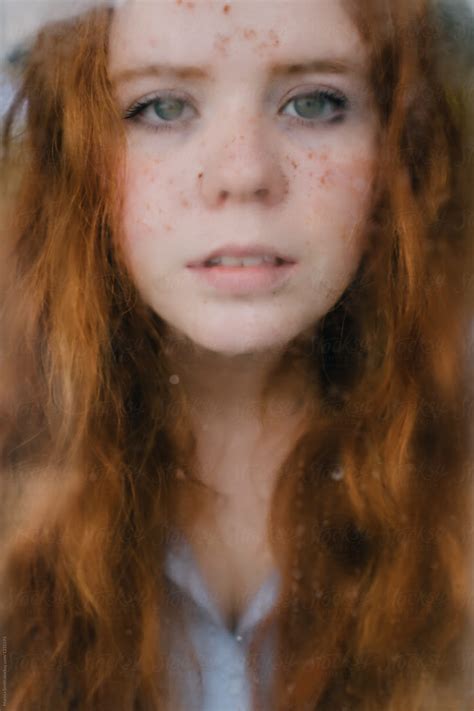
(337, 474)
(174, 379)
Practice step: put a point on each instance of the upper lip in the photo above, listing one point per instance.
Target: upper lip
(235, 250)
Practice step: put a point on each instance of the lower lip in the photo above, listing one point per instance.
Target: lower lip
(245, 280)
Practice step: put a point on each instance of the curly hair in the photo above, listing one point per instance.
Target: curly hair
(374, 612)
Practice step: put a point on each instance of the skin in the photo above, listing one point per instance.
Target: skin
(236, 167)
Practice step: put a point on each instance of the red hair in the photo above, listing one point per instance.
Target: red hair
(374, 607)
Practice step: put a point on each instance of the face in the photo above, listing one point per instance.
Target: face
(226, 147)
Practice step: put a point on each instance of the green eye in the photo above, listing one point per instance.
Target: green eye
(163, 111)
(310, 105)
(320, 105)
(168, 109)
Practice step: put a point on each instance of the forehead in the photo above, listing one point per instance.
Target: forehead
(245, 32)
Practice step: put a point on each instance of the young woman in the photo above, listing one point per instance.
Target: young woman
(235, 392)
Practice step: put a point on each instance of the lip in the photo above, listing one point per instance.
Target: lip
(235, 250)
(245, 280)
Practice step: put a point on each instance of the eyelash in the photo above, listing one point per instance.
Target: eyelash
(337, 98)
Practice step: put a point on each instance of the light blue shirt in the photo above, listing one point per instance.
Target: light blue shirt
(220, 652)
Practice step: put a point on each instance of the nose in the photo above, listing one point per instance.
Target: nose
(239, 165)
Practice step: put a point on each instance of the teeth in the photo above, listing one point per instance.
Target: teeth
(242, 261)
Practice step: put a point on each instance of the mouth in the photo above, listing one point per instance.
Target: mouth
(244, 276)
(239, 257)
(244, 262)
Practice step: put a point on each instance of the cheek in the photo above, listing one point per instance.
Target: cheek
(338, 193)
(336, 200)
(143, 215)
(355, 177)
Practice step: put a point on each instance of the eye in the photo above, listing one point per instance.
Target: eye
(158, 112)
(326, 106)
(165, 111)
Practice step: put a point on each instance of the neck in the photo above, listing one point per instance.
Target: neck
(249, 391)
(243, 409)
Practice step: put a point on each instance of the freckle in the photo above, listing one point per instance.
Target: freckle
(294, 164)
(324, 178)
(184, 202)
(200, 175)
(190, 5)
(226, 9)
(310, 155)
(147, 205)
(221, 42)
(274, 38)
(249, 33)
(168, 228)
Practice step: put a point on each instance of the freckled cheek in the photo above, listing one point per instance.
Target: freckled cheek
(336, 197)
(348, 183)
(147, 201)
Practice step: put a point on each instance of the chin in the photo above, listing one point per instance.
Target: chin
(235, 337)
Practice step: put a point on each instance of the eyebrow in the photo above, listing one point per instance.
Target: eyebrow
(337, 65)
